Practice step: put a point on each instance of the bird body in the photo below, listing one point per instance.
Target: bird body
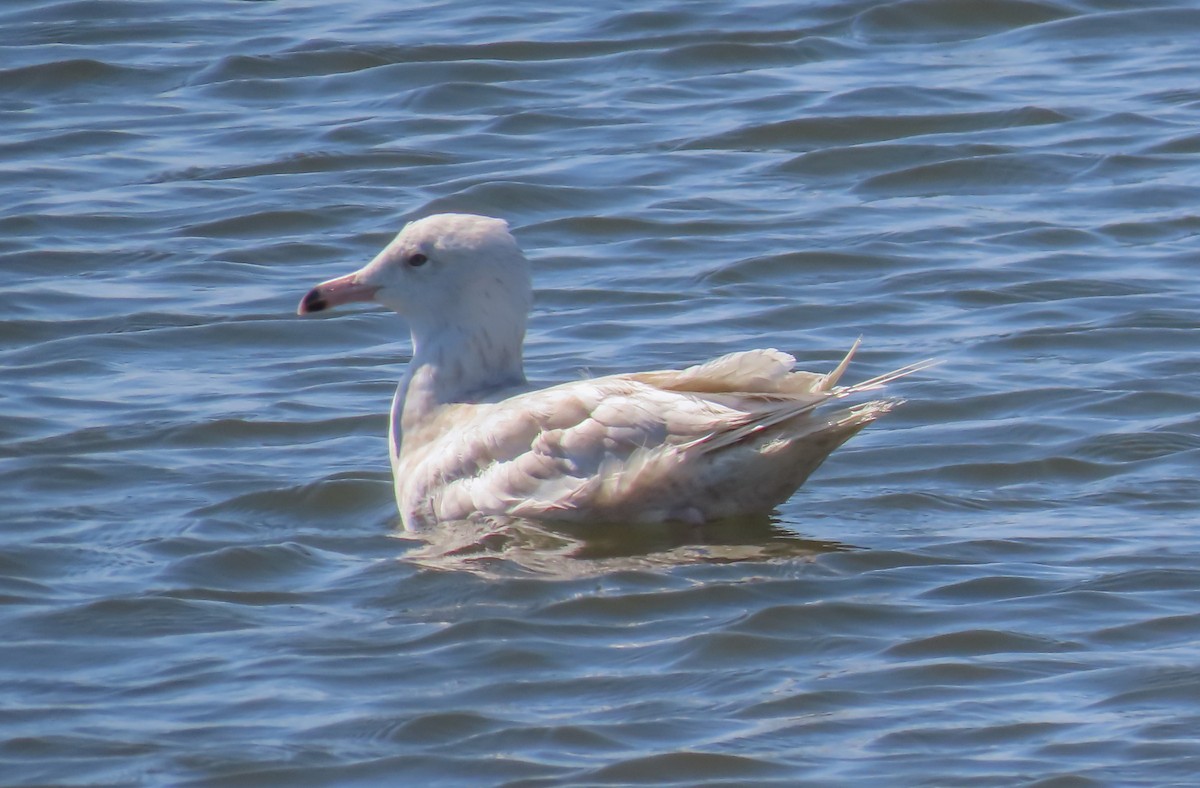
(734, 436)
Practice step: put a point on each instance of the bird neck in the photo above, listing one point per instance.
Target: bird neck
(454, 366)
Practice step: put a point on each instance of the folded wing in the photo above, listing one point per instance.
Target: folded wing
(737, 434)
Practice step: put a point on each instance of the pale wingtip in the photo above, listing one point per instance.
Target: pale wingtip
(836, 373)
(880, 381)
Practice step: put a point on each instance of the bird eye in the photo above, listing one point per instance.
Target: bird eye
(417, 260)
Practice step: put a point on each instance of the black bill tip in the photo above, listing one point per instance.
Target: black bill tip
(313, 301)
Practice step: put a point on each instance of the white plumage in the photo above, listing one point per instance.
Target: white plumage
(734, 436)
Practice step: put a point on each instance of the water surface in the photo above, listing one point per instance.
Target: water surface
(200, 573)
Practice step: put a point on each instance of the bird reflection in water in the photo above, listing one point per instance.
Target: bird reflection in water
(511, 546)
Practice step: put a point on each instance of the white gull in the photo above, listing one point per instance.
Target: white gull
(734, 436)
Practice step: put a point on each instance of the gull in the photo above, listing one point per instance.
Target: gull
(468, 439)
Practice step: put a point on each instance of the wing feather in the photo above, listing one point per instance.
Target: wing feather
(642, 440)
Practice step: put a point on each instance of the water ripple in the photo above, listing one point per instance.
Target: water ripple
(201, 578)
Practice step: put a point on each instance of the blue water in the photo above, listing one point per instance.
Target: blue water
(201, 577)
